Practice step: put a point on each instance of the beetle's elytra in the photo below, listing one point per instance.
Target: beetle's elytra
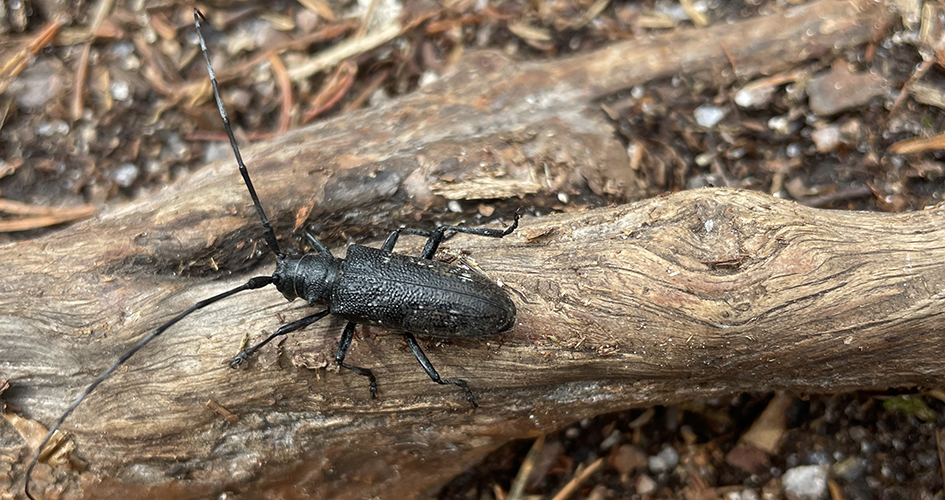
(412, 295)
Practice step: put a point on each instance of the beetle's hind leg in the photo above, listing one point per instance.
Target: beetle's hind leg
(428, 367)
(391, 240)
(443, 233)
(343, 347)
(437, 237)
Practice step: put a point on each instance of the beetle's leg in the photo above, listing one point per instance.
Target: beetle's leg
(391, 240)
(442, 234)
(317, 245)
(343, 347)
(428, 367)
(285, 329)
(437, 236)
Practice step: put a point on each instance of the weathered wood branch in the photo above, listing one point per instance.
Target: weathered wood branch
(702, 293)
(693, 295)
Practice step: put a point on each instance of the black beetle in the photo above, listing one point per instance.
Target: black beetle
(413, 295)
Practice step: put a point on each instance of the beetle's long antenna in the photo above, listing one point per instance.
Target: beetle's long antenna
(252, 284)
(270, 234)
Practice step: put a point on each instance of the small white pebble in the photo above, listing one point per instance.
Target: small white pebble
(779, 124)
(807, 482)
(666, 460)
(826, 139)
(120, 90)
(125, 174)
(793, 150)
(753, 96)
(645, 485)
(708, 115)
(55, 127)
(427, 78)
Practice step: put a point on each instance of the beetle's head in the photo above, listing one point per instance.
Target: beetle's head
(309, 276)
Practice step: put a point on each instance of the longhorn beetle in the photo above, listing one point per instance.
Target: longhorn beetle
(416, 296)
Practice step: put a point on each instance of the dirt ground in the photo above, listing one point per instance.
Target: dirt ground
(103, 102)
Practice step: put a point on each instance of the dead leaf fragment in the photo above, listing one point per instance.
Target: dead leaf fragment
(918, 145)
(766, 431)
(58, 448)
(223, 412)
(529, 32)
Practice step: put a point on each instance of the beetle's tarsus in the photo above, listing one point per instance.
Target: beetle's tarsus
(240, 358)
(462, 383)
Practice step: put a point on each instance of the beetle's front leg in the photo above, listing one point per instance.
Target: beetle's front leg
(284, 330)
(343, 347)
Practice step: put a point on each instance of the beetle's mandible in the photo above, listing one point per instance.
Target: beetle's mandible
(412, 295)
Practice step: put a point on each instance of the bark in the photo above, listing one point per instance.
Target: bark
(693, 295)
